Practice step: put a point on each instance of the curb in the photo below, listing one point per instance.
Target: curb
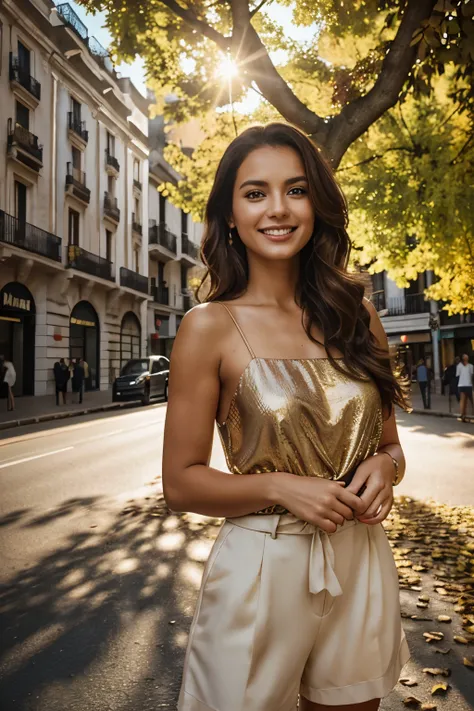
(439, 413)
(67, 414)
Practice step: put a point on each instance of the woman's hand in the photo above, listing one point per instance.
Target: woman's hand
(376, 473)
(322, 502)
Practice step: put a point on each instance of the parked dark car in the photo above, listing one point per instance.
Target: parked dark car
(142, 379)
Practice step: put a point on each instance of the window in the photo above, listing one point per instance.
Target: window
(156, 367)
(20, 201)
(163, 364)
(136, 169)
(73, 227)
(110, 144)
(184, 223)
(111, 185)
(137, 260)
(24, 59)
(137, 210)
(76, 158)
(161, 273)
(184, 277)
(162, 209)
(76, 111)
(23, 115)
(108, 245)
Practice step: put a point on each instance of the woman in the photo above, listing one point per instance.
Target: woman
(9, 378)
(300, 592)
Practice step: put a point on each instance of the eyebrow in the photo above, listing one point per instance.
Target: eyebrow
(263, 183)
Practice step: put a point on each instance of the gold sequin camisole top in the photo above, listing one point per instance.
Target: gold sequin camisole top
(301, 416)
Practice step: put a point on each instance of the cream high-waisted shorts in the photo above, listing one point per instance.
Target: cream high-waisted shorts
(286, 608)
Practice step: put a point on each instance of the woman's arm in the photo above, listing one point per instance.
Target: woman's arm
(189, 483)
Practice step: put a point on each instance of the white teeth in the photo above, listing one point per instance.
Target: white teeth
(278, 233)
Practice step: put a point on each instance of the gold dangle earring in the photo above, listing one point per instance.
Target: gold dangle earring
(231, 241)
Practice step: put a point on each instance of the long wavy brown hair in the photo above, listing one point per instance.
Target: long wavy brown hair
(330, 296)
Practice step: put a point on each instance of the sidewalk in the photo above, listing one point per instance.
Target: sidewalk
(440, 405)
(29, 410)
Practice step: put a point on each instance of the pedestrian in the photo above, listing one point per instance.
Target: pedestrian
(465, 373)
(3, 385)
(87, 381)
(300, 593)
(78, 379)
(61, 377)
(450, 379)
(422, 376)
(9, 378)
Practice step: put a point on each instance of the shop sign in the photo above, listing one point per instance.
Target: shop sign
(16, 296)
(82, 322)
(447, 334)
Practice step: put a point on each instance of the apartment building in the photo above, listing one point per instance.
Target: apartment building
(173, 239)
(74, 193)
(419, 328)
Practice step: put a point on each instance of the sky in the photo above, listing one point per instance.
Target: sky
(136, 71)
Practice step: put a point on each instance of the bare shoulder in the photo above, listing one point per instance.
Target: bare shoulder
(202, 329)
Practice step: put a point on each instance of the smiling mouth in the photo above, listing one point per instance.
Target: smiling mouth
(278, 231)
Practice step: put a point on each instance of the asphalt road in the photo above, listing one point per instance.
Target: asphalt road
(98, 584)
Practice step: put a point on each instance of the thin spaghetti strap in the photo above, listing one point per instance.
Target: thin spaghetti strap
(238, 327)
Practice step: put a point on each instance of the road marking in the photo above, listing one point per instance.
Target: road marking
(37, 456)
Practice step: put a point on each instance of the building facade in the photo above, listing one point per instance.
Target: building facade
(173, 250)
(73, 200)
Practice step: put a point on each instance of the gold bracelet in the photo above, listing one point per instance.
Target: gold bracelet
(397, 479)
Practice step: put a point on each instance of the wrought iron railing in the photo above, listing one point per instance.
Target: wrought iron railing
(78, 126)
(111, 207)
(77, 178)
(21, 234)
(160, 234)
(100, 54)
(25, 139)
(84, 261)
(133, 280)
(72, 19)
(111, 160)
(378, 300)
(160, 294)
(22, 76)
(408, 304)
(136, 226)
(188, 247)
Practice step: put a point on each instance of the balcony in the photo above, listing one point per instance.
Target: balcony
(77, 130)
(27, 87)
(112, 165)
(189, 251)
(136, 226)
(21, 234)
(76, 184)
(378, 300)
(23, 146)
(160, 294)
(111, 209)
(89, 263)
(162, 241)
(133, 280)
(137, 185)
(409, 304)
(101, 55)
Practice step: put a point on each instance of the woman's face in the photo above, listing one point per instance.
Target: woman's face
(271, 208)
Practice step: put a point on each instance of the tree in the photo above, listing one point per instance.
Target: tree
(366, 54)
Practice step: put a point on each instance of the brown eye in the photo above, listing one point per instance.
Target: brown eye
(254, 194)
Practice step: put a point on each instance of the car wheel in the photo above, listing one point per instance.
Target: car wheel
(166, 392)
(146, 397)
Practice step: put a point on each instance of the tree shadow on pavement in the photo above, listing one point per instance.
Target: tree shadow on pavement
(102, 622)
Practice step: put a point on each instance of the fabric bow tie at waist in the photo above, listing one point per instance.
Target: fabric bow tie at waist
(321, 559)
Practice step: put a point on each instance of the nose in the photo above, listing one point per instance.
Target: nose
(277, 207)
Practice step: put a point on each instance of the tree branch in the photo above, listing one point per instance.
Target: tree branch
(258, 8)
(375, 157)
(191, 19)
(356, 117)
(252, 58)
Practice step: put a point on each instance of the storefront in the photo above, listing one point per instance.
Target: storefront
(84, 340)
(130, 338)
(160, 341)
(409, 347)
(17, 334)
